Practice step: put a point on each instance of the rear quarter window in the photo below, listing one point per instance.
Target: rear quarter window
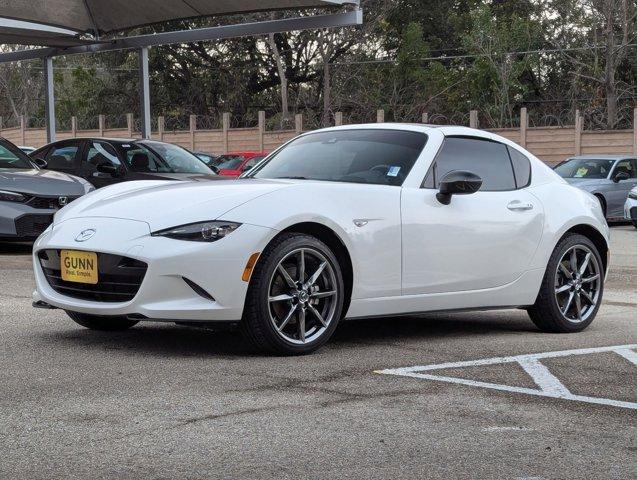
(521, 168)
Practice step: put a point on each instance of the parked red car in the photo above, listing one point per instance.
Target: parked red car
(235, 163)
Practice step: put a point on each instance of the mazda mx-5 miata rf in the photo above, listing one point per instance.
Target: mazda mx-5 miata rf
(356, 221)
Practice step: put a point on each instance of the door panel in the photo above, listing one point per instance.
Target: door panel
(617, 193)
(478, 241)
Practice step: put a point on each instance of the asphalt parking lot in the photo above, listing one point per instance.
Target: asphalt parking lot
(165, 401)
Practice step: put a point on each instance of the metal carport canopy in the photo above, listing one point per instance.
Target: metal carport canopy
(104, 17)
(99, 18)
(25, 33)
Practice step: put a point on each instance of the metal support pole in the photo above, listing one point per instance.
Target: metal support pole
(144, 93)
(49, 100)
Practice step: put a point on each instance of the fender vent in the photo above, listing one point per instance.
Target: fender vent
(199, 290)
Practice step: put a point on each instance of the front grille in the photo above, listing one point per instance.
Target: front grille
(31, 226)
(49, 203)
(119, 278)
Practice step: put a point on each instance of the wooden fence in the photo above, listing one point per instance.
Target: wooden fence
(551, 144)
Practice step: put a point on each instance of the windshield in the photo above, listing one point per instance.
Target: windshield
(157, 157)
(230, 162)
(374, 156)
(207, 159)
(584, 168)
(12, 157)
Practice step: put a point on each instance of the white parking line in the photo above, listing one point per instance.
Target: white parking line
(543, 378)
(549, 385)
(628, 354)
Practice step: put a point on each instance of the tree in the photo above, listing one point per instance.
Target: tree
(595, 37)
(497, 73)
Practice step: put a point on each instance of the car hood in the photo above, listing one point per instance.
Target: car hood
(584, 182)
(195, 177)
(42, 182)
(163, 204)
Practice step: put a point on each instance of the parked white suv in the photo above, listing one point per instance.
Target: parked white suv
(630, 208)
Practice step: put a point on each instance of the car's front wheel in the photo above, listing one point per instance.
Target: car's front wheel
(572, 288)
(106, 324)
(295, 297)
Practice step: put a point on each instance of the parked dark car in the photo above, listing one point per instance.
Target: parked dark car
(29, 196)
(104, 161)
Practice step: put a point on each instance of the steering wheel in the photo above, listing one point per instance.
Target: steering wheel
(380, 168)
(384, 170)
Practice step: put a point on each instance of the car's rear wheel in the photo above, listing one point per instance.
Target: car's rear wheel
(105, 324)
(572, 288)
(295, 297)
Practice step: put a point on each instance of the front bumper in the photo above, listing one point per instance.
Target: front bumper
(164, 293)
(630, 209)
(19, 221)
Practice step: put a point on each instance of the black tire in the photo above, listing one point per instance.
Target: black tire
(546, 313)
(104, 324)
(256, 323)
(635, 223)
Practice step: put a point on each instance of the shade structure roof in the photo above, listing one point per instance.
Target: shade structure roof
(104, 17)
(25, 33)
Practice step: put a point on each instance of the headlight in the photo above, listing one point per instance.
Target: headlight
(633, 195)
(12, 197)
(200, 231)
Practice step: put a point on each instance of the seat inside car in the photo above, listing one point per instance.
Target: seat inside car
(99, 159)
(623, 169)
(58, 161)
(140, 162)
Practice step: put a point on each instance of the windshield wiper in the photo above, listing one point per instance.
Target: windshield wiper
(294, 178)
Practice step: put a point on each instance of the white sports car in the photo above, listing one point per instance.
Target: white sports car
(354, 221)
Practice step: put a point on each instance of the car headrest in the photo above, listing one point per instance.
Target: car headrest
(98, 159)
(140, 163)
(58, 161)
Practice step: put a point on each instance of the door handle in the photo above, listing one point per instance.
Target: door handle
(517, 206)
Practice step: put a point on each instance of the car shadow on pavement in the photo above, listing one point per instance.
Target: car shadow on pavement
(175, 340)
(435, 325)
(7, 248)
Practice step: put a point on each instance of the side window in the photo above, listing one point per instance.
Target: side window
(98, 153)
(490, 160)
(142, 160)
(625, 166)
(252, 162)
(62, 157)
(43, 153)
(521, 168)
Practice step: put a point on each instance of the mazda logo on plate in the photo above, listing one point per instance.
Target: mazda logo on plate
(85, 235)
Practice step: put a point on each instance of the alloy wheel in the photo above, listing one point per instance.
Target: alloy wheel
(578, 283)
(303, 295)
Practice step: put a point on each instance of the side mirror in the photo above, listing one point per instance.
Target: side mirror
(457, 182)
(619, 176)
(108, 168)
(40, 162)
